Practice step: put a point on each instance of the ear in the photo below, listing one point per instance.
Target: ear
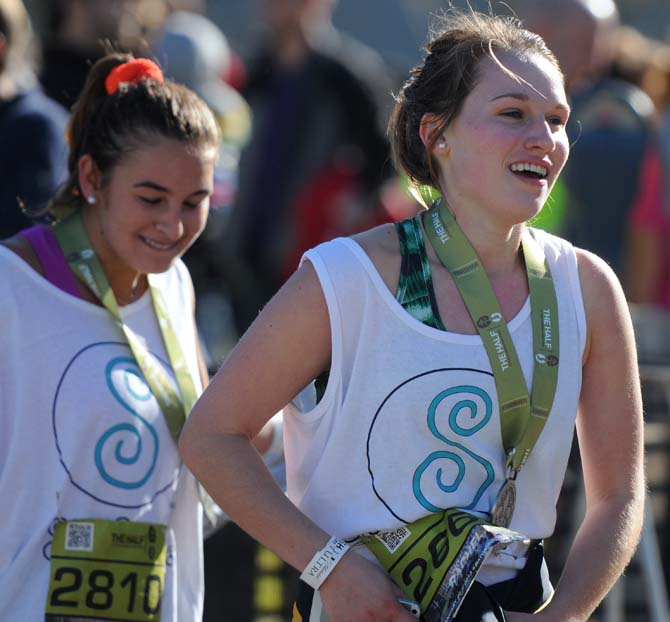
(89, 175)
(428, 128)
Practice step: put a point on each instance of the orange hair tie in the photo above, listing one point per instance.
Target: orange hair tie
(132, 72)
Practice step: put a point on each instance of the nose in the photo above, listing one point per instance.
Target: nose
(541, 136)
(171, 225)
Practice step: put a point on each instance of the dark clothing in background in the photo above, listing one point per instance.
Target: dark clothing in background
(64, 71)
(316, 159)
(311, 170)
(609, 130)
(33, 156)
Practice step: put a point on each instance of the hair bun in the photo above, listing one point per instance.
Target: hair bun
(132, 72)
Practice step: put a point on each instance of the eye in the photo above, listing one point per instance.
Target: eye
(512, 114)
(557, 121)
(150, 200)
(191, 205)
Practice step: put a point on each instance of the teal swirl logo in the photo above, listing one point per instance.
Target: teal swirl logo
(127, 439)
(466, 417)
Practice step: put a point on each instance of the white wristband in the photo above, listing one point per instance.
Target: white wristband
(322, 564)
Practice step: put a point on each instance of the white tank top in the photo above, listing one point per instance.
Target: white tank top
(82, 437)
(409, 421)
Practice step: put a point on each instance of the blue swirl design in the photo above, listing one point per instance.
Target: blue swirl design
(456, 419)
(124, 433)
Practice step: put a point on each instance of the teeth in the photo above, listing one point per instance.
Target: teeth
(157, 245)
(533, 168)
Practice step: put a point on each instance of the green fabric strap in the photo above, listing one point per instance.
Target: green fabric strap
(522, 416)
(83, 261)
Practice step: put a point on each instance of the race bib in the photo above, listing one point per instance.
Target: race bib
(106, 570)
(435, 559)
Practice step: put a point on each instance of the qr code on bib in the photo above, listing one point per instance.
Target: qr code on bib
(393, 538)
(79, 537)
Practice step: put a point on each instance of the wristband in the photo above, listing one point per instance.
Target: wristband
(322, 564)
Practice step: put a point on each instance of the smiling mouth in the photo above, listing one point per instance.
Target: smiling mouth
(157, 245)
(532, 171)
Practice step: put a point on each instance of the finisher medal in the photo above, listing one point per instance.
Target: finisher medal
(504, 507)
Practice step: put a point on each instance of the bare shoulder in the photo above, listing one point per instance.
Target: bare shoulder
(21, 247)
(381, 245)
(605, 305)
(600, 285)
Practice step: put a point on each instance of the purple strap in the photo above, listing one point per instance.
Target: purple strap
(55, 268)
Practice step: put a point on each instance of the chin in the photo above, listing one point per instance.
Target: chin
(157, 267)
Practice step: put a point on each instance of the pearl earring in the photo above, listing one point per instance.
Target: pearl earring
(441, 145)
(91, 200)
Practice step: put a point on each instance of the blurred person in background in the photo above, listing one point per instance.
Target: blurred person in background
(611, 121)
(647, 276)
(317, 155)
(78, 32)
(195, 52)
(33, 152)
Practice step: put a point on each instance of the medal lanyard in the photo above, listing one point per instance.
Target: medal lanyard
(522, 416)
(83, 261)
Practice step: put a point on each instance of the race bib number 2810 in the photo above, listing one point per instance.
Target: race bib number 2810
(106, 570)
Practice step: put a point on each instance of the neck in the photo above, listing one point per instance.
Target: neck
(127, 284)
(497, 245)
(8, 89)
(292, 49)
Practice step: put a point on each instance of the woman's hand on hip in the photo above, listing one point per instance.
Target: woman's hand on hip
(358, 590)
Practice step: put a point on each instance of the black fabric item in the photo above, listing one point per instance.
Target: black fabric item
(524, 593)
(33, 156)
(480, 606)
(304, 601)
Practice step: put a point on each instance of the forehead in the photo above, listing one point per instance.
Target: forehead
(166, 161)
(157, 152)
(532, 75)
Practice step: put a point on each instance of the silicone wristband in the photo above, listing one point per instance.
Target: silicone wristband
(322, 564)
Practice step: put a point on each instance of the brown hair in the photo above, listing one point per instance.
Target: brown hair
(447, 75)
(109, 127)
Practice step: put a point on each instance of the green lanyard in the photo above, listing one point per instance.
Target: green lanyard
(83, 261)
(522, 416)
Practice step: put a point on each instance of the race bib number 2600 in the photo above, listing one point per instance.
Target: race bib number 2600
(106, 570)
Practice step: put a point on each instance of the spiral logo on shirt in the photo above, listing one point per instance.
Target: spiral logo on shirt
(110, 433)
(434, 454)
(129, 388)
(469, 412)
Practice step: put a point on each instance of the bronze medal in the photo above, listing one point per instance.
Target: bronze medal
(504, 506)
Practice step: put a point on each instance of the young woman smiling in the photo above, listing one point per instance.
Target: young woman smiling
(437, 367)
(101, 363)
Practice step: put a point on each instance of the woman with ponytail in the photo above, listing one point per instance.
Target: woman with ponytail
(101, 363)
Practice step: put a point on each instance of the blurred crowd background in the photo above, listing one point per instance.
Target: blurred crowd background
(302, 90)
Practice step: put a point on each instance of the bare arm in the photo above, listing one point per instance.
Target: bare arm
(286, 347)
(610, 433)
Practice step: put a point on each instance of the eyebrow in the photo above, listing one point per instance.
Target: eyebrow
(154, 186)
(522, 96)
(525, 97)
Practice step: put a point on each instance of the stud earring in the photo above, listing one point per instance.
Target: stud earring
(441, 145)
(91, 200)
